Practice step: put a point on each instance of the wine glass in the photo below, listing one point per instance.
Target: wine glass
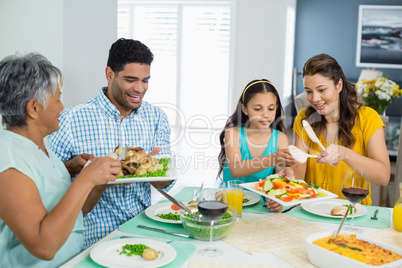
(355, 188)
(212, 204)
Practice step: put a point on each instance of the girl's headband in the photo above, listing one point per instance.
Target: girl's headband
(256, 82)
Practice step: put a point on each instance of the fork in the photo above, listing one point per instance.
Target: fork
(375, 215)
(199, 191)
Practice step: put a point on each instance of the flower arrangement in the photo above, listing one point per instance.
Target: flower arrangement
(378, 93)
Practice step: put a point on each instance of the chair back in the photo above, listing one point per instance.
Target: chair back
(379, 193)
(393, 186)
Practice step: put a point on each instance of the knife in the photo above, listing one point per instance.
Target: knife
(177, 203)
(163, 231)
(289, 209)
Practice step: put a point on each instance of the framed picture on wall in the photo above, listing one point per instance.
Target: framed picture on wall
(379, 37)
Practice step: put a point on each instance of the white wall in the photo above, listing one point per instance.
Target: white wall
(76, 36)
(260, 52)
(32, 26)
(90, 28)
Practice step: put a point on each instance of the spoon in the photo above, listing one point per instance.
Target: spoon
(299, 155)
(311, 134)
(340, 226)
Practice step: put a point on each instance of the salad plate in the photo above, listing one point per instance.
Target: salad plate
(250, 186)
(252, 198)
(324, 207)
(161, 208)
(108, 253)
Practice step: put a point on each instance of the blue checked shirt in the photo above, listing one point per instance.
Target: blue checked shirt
(95, 128)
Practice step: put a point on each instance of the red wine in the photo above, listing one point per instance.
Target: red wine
(354, 194)
(212, 209)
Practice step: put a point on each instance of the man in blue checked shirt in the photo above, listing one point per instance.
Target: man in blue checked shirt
(117, 116)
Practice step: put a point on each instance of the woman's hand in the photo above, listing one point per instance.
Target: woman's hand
(101, 170)
(332, 155)
(273, 205)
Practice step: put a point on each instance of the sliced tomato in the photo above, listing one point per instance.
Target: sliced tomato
(312, 193)
(286, 198)
(277, 185)
(261, 183)
(301, 190)
(175, 207)
(290, 189)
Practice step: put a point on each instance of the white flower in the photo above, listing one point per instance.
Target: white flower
(383, 95)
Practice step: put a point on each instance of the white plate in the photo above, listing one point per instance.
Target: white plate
(252, 198)
(322, 257)
(108, 253)
(171, 174)
(324, 207)
(161, 208)
(250, 186)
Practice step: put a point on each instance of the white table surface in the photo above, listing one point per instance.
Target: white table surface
(231, 254)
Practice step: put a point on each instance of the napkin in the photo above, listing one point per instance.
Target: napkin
(269, 233)
(183, 250)
(384, 217)
(389, 236)
(131, 228)
(214, 264)
(296, 256)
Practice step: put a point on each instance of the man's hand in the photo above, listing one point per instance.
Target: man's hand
(155, 151)
(75, 165)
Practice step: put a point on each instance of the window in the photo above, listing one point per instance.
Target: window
(191, 45)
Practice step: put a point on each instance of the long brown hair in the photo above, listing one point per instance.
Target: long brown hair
(348, 103)
(238, 118)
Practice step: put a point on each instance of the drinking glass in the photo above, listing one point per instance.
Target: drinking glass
(235, 195)
(212, 204)
(355, 188)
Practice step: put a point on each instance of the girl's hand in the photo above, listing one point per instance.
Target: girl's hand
(286, 172)
(283, 158)
(274, 206)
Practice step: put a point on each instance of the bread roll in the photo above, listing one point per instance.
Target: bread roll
(338, 211)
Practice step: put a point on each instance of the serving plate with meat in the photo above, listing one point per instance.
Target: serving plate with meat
(138, 166)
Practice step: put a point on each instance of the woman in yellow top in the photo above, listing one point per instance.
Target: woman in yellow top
(353, 135)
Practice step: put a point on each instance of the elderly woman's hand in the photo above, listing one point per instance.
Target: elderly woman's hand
(101, 170)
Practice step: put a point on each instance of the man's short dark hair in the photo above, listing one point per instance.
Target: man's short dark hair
(125, 51)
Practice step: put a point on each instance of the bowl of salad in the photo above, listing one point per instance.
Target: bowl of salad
(200, 228)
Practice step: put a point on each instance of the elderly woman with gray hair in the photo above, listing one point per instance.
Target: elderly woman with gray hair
(41, 210)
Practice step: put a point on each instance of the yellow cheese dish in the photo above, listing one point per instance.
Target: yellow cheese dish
(360, 250)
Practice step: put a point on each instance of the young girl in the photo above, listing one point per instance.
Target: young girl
(252, 136)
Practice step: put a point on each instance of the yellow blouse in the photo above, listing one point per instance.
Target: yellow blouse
(331, 177)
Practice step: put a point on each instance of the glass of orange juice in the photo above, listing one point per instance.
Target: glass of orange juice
(235, 194)
(397, 213)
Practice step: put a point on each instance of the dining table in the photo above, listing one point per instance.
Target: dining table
(261, 238)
